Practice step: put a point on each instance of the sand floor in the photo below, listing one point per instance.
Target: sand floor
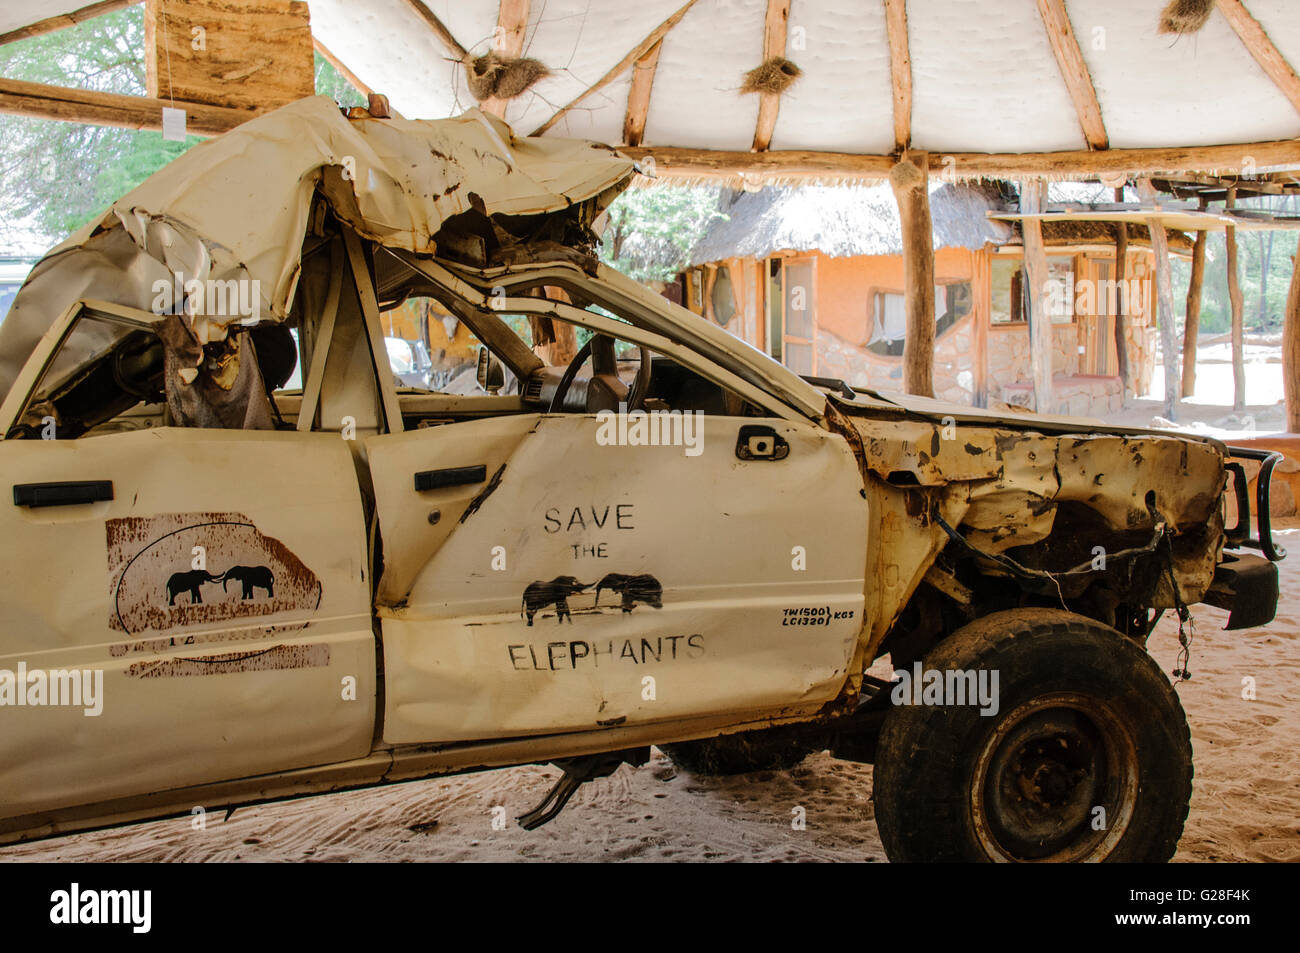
(1245, 802)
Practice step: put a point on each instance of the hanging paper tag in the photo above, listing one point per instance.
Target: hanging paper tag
(173, 124)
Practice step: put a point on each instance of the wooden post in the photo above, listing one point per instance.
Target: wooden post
(909, 180)
(1164, 299)
(1121, 303)
(1033, 197)
(1291, 349)
(1192, 321)
(1234, 296)
(981, 289)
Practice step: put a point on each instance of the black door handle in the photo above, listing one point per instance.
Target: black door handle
(451, 476)
(62, 494)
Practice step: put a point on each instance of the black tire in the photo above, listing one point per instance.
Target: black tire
(769, 749)
(1086, 718)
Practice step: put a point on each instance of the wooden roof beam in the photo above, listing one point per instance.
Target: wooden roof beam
(706, 163)
(1065, 47)
(65, 20)
(769, 104)
(512, 21)
(113, 109)
(444, 36)
(638, 97)
(900, 71)
(638, 51)
(339, 65)
(1266, 54)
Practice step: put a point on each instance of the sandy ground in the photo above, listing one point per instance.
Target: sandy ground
(1245, 802)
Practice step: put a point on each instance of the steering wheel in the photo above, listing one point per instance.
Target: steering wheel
(600, 348)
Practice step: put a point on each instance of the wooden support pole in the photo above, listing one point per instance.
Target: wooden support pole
(981, 292)
(1192, 318)
(909, 179)
(1235, 299)
(1291, 349)
(1164, 300)
(1121, 304)
(1033, 198)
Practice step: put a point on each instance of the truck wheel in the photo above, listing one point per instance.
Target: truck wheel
(1085, 720)
(769, 749)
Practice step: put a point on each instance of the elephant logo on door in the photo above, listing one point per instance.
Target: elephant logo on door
(158, 583)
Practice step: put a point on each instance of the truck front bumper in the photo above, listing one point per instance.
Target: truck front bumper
(1246, 584)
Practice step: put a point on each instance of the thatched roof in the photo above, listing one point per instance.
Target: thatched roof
(845, 221)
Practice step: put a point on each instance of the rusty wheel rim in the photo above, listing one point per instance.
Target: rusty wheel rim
(1043, 773)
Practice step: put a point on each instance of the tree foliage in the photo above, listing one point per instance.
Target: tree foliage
(651, 231)
(1263, 288)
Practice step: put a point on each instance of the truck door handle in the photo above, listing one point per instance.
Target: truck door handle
(62, 494)
(451, 476)
(759, 442)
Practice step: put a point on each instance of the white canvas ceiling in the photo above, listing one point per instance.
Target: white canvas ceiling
(985, 78)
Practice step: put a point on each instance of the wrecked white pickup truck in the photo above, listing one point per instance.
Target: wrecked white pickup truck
(670, 540)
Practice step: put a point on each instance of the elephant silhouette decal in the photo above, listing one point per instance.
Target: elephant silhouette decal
(250, 578)
(188, 582)
(641, 587)
(538, 595)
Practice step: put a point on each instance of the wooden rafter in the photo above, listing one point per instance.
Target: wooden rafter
(638, 97)
(1266, 54)
(769, 104)
(640, 50)
(444, 36)
(900, 71)
(339, 65)
(703, 163)
(1074, 71)
(65, 20)
(512, 22)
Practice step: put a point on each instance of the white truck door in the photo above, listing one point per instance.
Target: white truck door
(539, 577)
(214, 582)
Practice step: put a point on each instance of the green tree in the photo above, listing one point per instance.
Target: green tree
(651, 231)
